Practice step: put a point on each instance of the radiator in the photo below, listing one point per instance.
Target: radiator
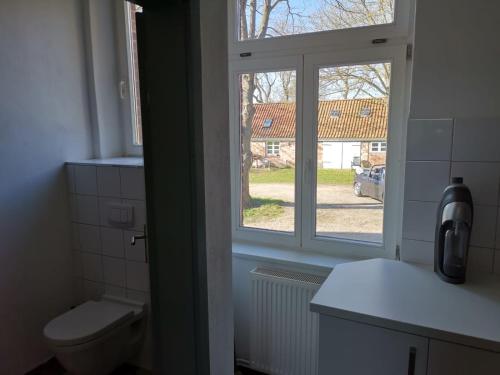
(284, 333)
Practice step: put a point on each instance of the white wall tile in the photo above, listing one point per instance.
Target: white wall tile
(138, 296)
(87, 209)
(73, 208)
(104, 210)
(78, 291)
(92, 267)
(426, 180)
(137, 252)
(115, 291)
(417, 252)
(132, 183)
(75, 236)
(77, 264)
(476, 140)
(139, 213)
(114, 271)
(92, 290)
(108, 181)
(138, 276)
(90, 238)
(70, 177)
(112, 242)
(482, 179)
(419, 220)
(429, 139)
(480, 260)
(484, 226)
(85, 179)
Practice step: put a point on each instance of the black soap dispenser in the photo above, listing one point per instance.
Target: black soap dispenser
(453, 230)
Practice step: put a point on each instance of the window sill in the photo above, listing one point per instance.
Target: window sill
(288, 256)
(115, 162)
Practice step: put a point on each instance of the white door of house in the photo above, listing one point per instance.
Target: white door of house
(339, 155)
(332, 155)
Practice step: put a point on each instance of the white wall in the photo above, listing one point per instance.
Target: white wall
(455, 82)
(43, 122)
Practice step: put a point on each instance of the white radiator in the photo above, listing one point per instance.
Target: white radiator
(284, 333)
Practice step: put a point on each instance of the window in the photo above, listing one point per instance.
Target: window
(273, 148)
(328, 187)
(378, 146)
(309, 16)
(133, 72)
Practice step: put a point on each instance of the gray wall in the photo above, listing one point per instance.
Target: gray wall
(213, 26)
(43, 123)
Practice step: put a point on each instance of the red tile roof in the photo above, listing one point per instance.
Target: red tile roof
(350, 125)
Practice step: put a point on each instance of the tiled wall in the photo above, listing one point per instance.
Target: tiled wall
(104, 260)
(438, 150)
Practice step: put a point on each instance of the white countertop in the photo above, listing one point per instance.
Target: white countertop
(411, 298)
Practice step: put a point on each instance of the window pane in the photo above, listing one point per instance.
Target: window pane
(133, 62)
(351, 151)
(267, 149)
(260, 19)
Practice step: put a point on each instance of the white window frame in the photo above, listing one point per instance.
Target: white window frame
(393, 195)
(306, 53)
(126, 73)
(379, 146)
(275, 147)
(343, 38)
(289, 240)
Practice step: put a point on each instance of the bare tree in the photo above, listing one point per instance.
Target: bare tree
(254, 24)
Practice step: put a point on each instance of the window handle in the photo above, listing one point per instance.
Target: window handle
(412, 356)
(123, 89)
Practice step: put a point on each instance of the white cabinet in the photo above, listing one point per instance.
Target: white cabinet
(452, 359)
(350, 348)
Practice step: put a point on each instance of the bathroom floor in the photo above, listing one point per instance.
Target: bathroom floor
(52, 367)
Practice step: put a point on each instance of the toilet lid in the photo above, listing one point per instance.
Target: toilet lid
(86, 322)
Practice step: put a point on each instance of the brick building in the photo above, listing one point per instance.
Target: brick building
(350, 132)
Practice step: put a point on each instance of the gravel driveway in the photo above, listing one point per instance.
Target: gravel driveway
(340, 213)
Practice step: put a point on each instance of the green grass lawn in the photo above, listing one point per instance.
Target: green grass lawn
(263, 208)
(287, 176)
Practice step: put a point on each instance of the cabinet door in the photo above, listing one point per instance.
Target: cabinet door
(453, 359)
(349, 348)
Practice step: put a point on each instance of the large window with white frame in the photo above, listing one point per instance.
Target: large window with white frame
(326, 77)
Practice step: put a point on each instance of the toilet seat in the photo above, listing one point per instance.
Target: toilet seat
(90, 321)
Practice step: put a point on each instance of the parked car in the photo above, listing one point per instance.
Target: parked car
(371, 183)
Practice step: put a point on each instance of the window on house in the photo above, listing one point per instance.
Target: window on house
(327, 105)
(378, 146)
(133, 71)
(273, 148)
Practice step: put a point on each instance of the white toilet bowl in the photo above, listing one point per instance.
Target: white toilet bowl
(96, 337)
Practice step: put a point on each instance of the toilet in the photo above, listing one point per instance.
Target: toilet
(96, 337)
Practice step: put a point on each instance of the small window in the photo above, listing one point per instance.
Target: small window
(378, 146)
(365, 112)
(273, 148)
(133, 71)
(267, 123)
(335, 113)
